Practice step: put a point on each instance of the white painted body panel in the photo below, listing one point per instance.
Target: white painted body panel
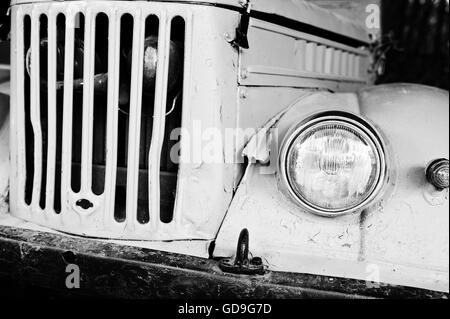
(282, 57)
(297, 10)
(402, 240)
(213, 75)
(209, 98)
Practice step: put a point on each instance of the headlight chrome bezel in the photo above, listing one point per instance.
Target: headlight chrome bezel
(353, 122)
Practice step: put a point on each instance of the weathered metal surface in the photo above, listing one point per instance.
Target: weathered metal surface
(300, 60)
(296, 10)
(242, 264)
(4, 151)
(216, 66)
(259, 105)
(211, 85)
(109, 270)
(196, 248)
(402, 240)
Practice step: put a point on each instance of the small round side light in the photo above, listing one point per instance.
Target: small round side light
(438, 174)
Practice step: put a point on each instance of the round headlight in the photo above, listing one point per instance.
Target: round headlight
(333, 164)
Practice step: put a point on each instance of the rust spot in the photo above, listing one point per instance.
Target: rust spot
(362, 228)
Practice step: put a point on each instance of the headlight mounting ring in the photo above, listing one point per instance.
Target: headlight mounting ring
(355, 122)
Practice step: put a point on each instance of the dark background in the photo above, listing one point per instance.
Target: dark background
(417, 33)
(415, 41)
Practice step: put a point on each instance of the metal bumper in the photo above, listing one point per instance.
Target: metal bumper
(39, 259)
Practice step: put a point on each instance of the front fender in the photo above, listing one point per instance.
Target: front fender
(402, 240)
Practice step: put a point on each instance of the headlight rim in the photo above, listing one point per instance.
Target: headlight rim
(354, 122)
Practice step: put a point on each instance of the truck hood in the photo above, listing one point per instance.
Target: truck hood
(296, 10)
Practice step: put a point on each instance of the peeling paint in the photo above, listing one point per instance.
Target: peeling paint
(4, 201)
(435, 197)
(401, 232)
(256, 150)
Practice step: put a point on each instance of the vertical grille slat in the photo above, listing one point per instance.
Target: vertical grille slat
(337, 62)
(188, 47)
(51, 136)
(66, 159)
(112, 116)
(35, 106)
(135, 114)
(300, 54)
(357, 67)
(17, 85)
(159, 120)
(344, 67)
(310, 56)
(320, 59)
(88, 102)
(328, 68)
(351, 65)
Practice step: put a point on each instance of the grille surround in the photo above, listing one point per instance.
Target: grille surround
(98, 220)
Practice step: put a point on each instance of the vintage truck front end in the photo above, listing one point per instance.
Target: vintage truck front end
(216, 149)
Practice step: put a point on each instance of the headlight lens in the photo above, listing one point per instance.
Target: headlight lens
(333, 165)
